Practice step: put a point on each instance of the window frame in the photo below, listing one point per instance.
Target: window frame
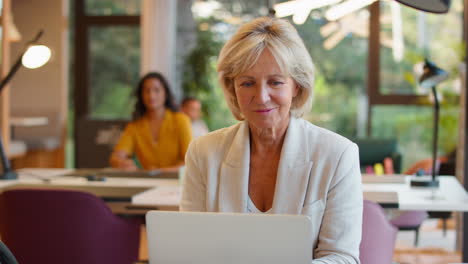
(374, 94)
(83, 23)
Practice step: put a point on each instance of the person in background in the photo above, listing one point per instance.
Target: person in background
(273, 161)
(158, 136)
(192, 108)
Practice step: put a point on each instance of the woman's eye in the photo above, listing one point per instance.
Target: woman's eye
(246, 84)
(277, 83)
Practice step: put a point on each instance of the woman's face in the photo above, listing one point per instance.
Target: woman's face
(153, 94)
(265, 94)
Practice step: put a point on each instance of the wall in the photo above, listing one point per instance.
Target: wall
(42, 90)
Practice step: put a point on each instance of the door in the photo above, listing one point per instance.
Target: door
(106, 72)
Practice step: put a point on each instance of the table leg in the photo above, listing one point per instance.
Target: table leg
(465, 238)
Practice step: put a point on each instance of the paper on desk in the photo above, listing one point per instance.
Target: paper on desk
(160, 195)
(41, 173)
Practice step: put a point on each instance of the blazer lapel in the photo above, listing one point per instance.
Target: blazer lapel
(293, 171)
(234, 174)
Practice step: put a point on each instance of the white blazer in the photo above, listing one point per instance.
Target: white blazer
(318, 175)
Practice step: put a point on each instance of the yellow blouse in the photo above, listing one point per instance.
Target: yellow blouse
(167, 151)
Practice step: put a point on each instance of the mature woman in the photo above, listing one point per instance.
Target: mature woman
(274, 161)
(159, 135)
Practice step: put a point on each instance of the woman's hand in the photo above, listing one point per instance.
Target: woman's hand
(120, 160)
(128, 165)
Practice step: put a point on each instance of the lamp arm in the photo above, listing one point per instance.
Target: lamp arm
(37, 37)
(11, 73)
(17, 64)
(436, 132)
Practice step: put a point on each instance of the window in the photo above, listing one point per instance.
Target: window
(113, 7)
(408, 36)
(114, 60)
(340, 59)
(108, 60)
(413, 127)
(399, 107)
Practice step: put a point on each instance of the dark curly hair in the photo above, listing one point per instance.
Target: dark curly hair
(140, 108)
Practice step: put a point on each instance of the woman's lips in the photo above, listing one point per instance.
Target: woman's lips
(264, 111)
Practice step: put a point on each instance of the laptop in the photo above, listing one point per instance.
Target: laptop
(228, 238)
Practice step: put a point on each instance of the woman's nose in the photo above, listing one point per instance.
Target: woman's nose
(261, 94)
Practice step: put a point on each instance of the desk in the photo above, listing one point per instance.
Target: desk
(28, 121)
(141, 194)
(117, 191)
(389, 191)
(450, 196)
(23, 121)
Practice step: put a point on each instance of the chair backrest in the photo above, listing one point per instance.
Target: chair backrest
(378, 236)
(373, 150)
(409, 219)
(61, 226)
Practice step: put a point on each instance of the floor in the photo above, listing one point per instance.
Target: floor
(433, 248)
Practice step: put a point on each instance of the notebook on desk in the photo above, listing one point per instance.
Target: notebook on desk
(213, 238)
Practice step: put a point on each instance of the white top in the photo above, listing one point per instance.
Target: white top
(251, 208)
(199, 128)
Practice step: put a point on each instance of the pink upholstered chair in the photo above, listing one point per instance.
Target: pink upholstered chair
(378, 236)
(61, 226)
(410, 220)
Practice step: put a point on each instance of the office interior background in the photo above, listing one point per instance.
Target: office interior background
(367, 61)
(366, 74)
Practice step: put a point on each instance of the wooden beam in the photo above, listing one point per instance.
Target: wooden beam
(5, 95)
(373, 61)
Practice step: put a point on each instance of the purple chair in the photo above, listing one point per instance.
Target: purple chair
(410, 220)
(61, 226)
(378, 236)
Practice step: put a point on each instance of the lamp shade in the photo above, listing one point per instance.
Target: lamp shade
(432, 75)
(432, 6)
(36, 56)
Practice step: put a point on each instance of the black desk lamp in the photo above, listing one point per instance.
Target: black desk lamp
(26, 57)
(431, 77)
(432, 6)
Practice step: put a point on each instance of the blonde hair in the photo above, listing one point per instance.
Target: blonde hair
(242, 51)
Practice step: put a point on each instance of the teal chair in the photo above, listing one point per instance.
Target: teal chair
(373, 150)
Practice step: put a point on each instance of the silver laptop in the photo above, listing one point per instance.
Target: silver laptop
(214, 238)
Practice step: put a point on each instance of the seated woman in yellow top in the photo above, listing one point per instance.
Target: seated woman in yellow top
(159, 135)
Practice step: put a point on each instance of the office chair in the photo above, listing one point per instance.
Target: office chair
(62, 226)
(410, 220)
(378, 236)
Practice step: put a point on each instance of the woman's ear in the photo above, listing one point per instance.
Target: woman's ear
(296, 90)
